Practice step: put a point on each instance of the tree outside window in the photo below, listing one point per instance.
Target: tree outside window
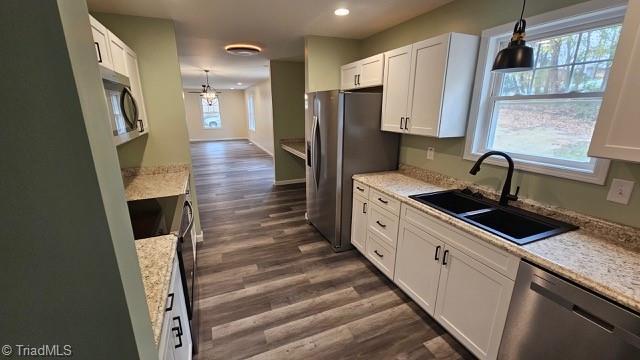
(211, 118)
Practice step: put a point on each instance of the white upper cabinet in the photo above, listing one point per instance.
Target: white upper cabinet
(396, 88)
(118, 54)
(362, 73)
(428, 85)
(617, 131)
(101, 42)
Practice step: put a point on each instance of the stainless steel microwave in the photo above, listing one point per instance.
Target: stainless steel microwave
(123, 108)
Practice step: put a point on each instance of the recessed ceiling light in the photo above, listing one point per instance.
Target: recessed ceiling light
(342, 12)
(233, 88)
(239, 84)
(243, 49)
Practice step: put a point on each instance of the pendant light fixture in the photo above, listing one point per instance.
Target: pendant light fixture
(208, 93)
(517, 56)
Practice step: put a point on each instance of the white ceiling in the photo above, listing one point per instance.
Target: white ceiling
(204, 27)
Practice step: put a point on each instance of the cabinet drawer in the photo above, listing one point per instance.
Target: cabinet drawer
(497, 259)
(361, 189)
(382, 256)
(386, 202)
(383, 224)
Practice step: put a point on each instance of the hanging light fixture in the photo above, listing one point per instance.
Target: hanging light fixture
(517, 56)
(208, 93)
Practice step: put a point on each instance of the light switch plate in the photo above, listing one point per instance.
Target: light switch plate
(430, 152)
(620, 191)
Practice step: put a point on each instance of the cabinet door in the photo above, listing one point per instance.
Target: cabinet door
(426, 84)
(472, 302)
(101, 42)
(118, 57)
(616, 132)
(418, 265)
(371, 71)
(359, 223)
(180, 321)
(348, 76)
(131, 61)
(397, 65)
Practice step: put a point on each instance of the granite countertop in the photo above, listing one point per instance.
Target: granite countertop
(295, 147)
(155, 182)
(156, 256)
(601, 256)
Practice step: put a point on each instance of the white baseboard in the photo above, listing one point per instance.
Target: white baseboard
(261, 147)
(291, 181)
(221, 139)
(200, 236)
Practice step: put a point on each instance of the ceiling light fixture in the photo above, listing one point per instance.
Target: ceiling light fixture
(239, 84)
(517, 56)
(243, 49)
(341, 12)
(208, 93)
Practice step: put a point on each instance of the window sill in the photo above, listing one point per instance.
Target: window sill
(598, 176)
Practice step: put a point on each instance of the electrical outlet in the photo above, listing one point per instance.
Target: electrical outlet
(620, 191)
(430, 152)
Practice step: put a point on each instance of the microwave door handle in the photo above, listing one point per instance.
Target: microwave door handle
(132, 122)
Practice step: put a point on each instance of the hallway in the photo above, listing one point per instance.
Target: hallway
(271, 287)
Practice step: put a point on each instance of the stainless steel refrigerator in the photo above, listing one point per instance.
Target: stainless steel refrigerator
(343, 138)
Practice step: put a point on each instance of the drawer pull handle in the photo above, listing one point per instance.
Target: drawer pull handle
(178, 331)
(381, 224)
(383, 201)
(359, 188)
(444, 257)
(364, 208)
(437, 256)
(377, 253)
(170, 307)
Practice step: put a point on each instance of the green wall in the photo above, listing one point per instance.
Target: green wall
(323, 58)
(472, 16)
(154, 42)
(287, 99)
(70, 271)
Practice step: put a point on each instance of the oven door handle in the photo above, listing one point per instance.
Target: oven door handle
(188, 205)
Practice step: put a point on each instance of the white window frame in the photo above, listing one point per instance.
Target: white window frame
(251, 113)
(582, 16)
(202, 115)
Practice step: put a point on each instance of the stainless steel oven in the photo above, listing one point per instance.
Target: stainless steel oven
(187, 262)
(123, 108)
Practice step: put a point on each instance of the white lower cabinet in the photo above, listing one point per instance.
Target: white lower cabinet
(472, 302)
(418, 265)
(463, 282)
(359, 223)
(175, 339)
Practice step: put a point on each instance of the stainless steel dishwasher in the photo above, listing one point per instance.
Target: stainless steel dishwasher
(551, 318)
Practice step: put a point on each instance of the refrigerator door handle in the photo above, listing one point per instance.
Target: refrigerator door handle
(314, 149)
(318, 154)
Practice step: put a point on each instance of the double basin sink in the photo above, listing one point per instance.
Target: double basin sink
(513, 224)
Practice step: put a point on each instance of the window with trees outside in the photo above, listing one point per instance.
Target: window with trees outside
(544, 118)
(211, 118)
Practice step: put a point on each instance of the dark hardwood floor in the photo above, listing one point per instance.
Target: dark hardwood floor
(272, 288)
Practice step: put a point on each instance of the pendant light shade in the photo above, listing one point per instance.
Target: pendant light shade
(517, 56)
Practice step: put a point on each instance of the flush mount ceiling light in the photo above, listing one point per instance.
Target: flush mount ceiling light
(243, 49)
(517, 56)
(341, 12)
(239, 84)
